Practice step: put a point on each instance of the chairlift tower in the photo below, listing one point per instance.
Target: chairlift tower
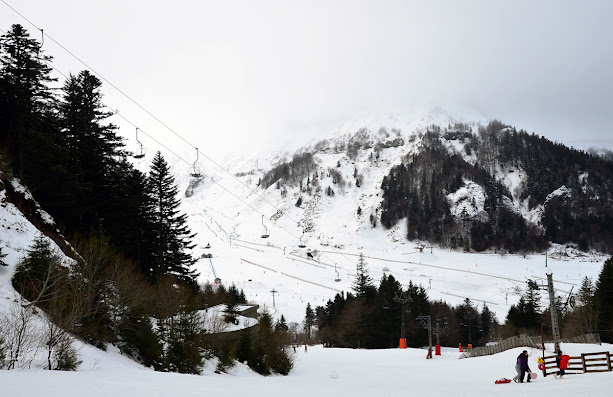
(554, 313)
(403, 299)
(438, 331)
(427, 324)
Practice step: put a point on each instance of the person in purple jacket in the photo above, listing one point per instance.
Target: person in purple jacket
(523, 366)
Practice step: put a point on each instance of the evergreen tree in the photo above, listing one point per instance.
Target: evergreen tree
(488, 322)
(270, 354)
(281, 325)
(95, 149)
(184, 345)
(2, 256)
(603, 298)
(25, 97)
(28, 123)
(586, 309)
(230, 314)
(130, 217)
(533, 306)
(309, 321)
(35, 273)
(172, 235)
(363, 284)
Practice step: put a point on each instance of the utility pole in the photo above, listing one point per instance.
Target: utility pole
(427, 324)
(274, 291)
(554, 313)
(403, 299)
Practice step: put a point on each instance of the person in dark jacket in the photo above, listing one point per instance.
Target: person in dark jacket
(561, 372)
(523, 366)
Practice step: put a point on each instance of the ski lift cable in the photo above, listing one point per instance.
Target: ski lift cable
(215, 182)
(140, 106)
(163, 124)
(116, 113)
(146, 111)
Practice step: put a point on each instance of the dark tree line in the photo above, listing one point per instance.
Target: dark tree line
(290, 172)
(581, 212)
(592, 312)
(369, 317)
(61, 146)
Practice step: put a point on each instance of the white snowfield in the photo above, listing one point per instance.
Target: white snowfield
(321, 372)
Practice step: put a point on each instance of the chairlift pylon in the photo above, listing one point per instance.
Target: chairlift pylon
(300, 243)
(338, 275)
(265, 234)
(195, 172)
(141, 150)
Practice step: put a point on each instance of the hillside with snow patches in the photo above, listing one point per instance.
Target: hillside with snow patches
(230, 212)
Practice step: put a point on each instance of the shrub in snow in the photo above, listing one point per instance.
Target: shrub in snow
(65, 356)
(2, 354)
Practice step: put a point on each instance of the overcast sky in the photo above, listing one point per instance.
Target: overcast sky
(249, 73)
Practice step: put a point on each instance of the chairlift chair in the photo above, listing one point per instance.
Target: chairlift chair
(141, 150)
(338, 275)
(195, 171)
(265, 234)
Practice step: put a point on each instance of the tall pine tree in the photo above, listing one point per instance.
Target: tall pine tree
(172, 236)
(95, 149)
(28, 121)
(25, 97)
(604, 302)
(363, 284)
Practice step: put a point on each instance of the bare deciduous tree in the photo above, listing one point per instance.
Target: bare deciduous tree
(20, 339)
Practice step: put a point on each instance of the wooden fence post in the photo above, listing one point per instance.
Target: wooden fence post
(608, 361)
(583, 362)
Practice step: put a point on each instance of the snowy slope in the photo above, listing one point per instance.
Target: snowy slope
(325, 372)
(229, 211)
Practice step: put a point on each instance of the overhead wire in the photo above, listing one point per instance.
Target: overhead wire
(116, 113)
(169, 129)
(43, 34)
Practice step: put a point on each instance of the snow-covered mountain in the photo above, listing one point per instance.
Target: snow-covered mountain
(492, 171)
(337, 180)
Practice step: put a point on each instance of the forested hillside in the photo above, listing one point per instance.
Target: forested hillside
(522, 191)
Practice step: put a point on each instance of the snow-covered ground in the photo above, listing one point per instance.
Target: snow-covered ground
(323, 372)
